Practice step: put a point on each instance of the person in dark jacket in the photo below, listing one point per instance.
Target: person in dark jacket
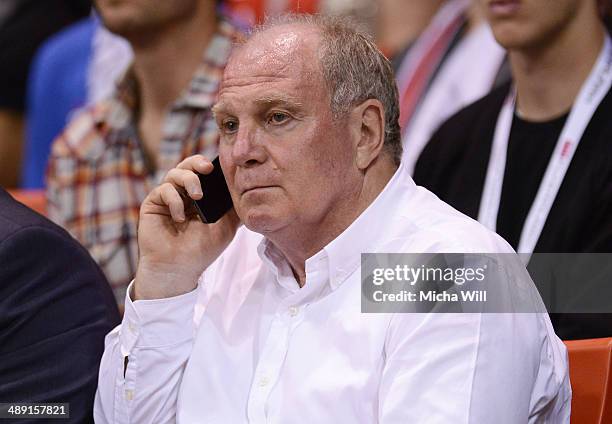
(55, 309)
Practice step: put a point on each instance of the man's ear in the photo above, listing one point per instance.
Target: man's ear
(368, 128)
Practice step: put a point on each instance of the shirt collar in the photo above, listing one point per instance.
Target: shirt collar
(342, 256)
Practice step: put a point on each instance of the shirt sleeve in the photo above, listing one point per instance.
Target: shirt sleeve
(59, 182)
(144, 359)
(71, 168)
(474, 368)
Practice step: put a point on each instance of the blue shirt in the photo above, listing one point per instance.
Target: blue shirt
(57, 86)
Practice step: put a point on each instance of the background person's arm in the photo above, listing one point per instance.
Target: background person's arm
(61, 178)
(55, 309)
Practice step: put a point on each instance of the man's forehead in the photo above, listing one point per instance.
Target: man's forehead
(276, 52)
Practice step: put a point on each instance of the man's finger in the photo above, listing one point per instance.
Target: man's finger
(197, 163)
(170, 197)
(186, 180)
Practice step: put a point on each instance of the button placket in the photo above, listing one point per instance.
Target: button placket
(268, 370)
(293, 311)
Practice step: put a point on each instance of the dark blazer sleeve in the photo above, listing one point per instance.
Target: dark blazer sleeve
(55, 309)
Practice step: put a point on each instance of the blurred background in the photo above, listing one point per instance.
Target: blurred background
(57, 58)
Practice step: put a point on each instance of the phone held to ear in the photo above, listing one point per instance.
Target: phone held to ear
(216, 200)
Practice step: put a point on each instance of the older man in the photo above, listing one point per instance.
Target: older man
(264, 323)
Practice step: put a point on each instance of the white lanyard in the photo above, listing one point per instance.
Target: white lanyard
(591, 94)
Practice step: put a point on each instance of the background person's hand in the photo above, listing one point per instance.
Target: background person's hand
(175, 247)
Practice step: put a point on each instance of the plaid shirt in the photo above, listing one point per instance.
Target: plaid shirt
(98, 176)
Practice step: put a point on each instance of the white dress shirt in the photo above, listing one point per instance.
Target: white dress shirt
(249, 345)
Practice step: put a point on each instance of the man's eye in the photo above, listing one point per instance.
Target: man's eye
(278, 118)
(230, 126)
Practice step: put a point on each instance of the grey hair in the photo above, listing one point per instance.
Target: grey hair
(353, 68)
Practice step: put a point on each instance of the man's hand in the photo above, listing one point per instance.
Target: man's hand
(175, 247)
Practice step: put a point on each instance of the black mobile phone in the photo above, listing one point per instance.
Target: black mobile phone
(216, 200)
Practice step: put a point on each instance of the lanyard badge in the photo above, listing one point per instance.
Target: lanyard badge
(590, 96)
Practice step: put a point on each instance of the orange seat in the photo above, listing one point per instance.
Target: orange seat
(34, 199)
(591, 377)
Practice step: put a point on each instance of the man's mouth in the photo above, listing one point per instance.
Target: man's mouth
(504, 7)
(256, 188)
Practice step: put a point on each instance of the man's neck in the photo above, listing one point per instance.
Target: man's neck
(548, 78)
(299, 245)
(164, 64)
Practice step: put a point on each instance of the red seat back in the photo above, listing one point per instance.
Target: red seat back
(591, 379)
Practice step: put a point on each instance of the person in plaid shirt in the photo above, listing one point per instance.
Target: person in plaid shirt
(112, 154)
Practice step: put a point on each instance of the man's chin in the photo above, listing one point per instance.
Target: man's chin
(512, 37)
(263, 222)
(121, 27)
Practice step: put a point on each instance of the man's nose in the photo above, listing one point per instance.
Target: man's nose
(248, 149)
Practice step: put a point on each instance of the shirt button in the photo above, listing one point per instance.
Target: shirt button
(129, 394)
(131, 327)
(263, 381)
(293, 311)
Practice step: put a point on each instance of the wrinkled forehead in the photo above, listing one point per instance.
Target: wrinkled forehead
(287, 51)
